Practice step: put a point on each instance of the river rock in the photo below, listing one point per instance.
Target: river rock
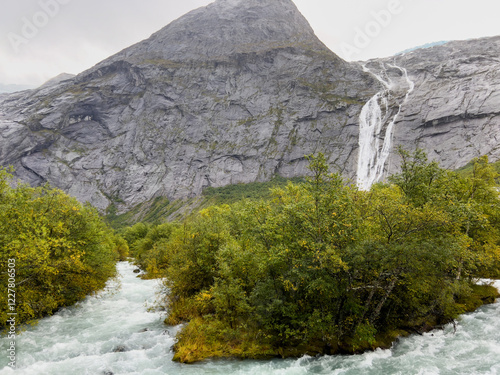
(120, 349)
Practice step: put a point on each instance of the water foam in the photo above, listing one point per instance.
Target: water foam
(80, 340)
(376, 128)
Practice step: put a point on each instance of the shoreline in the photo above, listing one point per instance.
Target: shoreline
(196, 344)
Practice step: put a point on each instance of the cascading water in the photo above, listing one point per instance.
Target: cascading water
(114, 333)
(376, 127)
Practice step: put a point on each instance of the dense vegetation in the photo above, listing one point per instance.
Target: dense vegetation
(62, 249)
(304, 266)
(254, 190)
(468, 170)
(322, 267)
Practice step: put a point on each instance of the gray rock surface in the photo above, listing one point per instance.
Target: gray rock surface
(57, 79)
(453, 112)
(237, 91)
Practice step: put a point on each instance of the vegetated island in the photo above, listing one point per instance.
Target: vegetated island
(322, 267)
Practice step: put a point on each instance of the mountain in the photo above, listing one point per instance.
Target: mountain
(8, 88)
(237, 91)
(453, 112)
(443, 99)
(427, 45)
(240, 91)
(57, 79)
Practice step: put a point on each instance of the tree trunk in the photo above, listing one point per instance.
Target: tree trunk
(381, 304)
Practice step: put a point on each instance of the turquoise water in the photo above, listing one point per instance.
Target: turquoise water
(83, 339)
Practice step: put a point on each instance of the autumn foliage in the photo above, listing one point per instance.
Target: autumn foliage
(323, 267)
(62, 249)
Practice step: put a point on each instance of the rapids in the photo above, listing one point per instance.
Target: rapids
(83, 339)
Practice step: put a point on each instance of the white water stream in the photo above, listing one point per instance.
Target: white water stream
(81, 339)
(376, 128)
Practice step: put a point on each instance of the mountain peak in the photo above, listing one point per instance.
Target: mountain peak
(57, 79)
(227, 27)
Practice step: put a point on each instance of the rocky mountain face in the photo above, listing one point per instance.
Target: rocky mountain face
(442, 99)
(239, 91)
(453, 112)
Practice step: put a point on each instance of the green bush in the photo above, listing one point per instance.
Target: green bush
(62, 249)
(321, 266)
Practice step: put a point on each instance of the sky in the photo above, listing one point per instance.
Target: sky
(40, 39)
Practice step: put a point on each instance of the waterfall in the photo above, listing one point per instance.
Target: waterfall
(376, 127)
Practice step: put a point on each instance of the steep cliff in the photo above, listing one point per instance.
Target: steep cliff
(453, 112)
(239, 91)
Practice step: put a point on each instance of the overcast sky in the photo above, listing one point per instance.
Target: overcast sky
(41, 38)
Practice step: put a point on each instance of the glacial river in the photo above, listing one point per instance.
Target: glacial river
(114, 333)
